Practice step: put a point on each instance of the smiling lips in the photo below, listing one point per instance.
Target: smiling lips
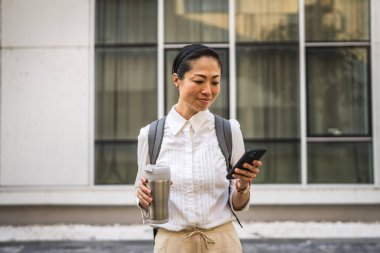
(205, 101)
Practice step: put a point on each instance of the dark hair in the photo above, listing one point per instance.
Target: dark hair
(181, 63)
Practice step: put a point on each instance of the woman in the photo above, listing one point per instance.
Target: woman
(200, 217)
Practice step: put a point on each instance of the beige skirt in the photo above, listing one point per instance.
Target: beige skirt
(222, 239)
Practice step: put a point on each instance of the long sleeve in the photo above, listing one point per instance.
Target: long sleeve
(142, 161)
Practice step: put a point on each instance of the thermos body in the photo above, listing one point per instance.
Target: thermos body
(159, 209)
(159, 183)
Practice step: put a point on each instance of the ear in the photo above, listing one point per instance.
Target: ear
(175, 80)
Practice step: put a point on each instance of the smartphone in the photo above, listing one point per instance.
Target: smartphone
(248, 157)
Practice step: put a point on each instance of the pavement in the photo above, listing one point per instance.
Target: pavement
(270, 237)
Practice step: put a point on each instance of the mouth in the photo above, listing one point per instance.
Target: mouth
(205, 101)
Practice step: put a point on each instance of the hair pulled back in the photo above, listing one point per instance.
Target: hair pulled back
(182, 62)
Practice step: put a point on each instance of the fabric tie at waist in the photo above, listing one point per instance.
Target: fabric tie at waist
(206, 239)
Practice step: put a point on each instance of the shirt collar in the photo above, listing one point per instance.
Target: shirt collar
(176, 122)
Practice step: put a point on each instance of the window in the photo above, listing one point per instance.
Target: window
(126, 91)
(267, 69)
(321, 136)
(338, 91)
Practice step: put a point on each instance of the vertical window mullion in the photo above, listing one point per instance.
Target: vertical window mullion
(232, 60)
(160, 59)
(374, 77)
(302, 66)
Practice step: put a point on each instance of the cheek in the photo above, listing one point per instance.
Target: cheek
(216, 90)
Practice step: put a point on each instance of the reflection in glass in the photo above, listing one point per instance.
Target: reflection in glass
(340, 163)
(268, 91)
(281, 162)
(337, 20)
(338, 96)
(196, 21)
(126, 21)
(263, 20)
(126, 92)
(115, 163)
(220, 106)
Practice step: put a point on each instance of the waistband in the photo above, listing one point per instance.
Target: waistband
(189, 233)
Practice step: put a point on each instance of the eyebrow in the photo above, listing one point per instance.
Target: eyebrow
(206, 76)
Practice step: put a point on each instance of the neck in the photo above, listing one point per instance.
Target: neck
(184, 112)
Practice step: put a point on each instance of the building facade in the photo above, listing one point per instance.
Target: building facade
(80, 78)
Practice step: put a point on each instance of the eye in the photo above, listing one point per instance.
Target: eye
(215, 83)
(198, 81)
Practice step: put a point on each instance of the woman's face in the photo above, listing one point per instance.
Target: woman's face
(199, 87)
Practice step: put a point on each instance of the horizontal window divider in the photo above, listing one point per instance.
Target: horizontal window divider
(110, 141)
(268, 43)
(213, 45)
(338, 44)
(339, 139)
(273, 140)
(124, 45)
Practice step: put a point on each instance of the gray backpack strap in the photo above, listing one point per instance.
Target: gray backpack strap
(224, 136)
(155, 136)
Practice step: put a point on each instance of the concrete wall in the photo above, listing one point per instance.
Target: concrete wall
(106, 215)
(45, 92)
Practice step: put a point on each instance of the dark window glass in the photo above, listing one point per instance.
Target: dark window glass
(281, 163)
(338, 91)
(196, 21)
(126, 21)
(263, 20)
(340, 162)
(268, 91)
(337, 20)
(115, 162)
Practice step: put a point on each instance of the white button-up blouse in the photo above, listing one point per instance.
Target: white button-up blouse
(199, 193)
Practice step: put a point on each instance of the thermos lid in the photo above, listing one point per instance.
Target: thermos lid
(157, 171)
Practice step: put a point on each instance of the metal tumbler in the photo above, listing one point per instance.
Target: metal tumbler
(159, 183)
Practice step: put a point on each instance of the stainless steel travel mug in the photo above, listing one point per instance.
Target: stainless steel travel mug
(159, 182)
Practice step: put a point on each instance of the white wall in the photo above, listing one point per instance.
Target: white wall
(45, 92)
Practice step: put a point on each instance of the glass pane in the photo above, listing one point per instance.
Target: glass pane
(126, 21)
(263, 20)
(115, 163)
(220, 106)
(281, 162)
(268, 91)
(196, 21)
(337, 20)
(126, 91)
(338, 96)
(340, 162)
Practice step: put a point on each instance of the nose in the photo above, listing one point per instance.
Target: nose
(207, 89)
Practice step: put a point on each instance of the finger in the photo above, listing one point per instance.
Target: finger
(143, 180)
(145, 188)
(144, 198)
(257, 163)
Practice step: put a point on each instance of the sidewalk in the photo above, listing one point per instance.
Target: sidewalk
(257, 230)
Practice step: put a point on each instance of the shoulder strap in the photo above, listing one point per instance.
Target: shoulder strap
(155, 136)
(224, 136)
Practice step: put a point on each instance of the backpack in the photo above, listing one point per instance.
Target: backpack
(223, 134)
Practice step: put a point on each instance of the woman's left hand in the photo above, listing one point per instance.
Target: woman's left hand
(246, 176)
